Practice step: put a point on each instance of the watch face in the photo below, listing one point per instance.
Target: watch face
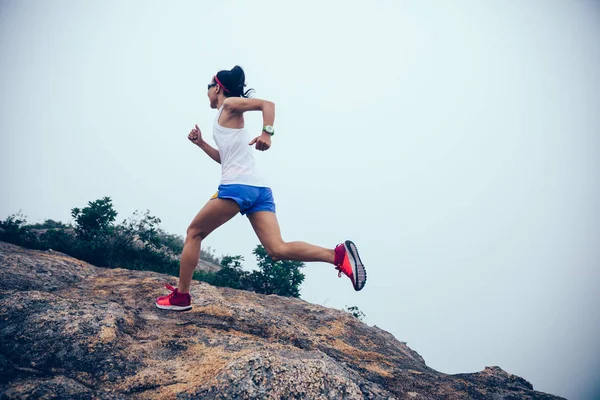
(269, 129)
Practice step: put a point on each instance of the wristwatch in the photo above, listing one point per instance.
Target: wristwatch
(269, 129)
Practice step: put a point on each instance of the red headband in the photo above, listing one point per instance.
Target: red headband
(220, 84)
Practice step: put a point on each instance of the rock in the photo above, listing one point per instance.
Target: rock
(72, 330)
(207, 266)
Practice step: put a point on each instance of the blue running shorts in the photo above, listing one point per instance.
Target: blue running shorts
(250, 198)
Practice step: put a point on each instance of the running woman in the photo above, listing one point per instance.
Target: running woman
(243, 190)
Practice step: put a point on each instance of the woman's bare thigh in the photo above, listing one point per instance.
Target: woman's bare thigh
(214, 214)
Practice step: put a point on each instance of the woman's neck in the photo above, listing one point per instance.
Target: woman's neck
(220, 101)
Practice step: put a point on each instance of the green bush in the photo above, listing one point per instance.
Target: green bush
(136, 243)
(94, 220)
(139, 243)
(276, 277)
(230, 275)
(11, 229)
(14, 229)
(282, 278)
(172, 242)
(58, 239)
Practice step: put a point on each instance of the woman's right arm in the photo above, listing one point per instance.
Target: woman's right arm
(195, 137)
(211, 151)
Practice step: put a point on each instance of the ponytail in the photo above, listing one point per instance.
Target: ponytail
(234, 81)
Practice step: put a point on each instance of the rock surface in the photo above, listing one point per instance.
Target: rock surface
(70, 330)
(207, 266)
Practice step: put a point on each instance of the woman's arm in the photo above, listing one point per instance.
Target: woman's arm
(211, 151)
(239, 105)
(195, 137)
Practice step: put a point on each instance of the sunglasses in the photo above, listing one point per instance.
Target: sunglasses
(211, 85)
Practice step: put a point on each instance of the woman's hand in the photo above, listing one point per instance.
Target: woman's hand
(263, 142)
(195, 136)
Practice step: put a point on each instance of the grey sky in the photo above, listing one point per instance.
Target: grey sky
(456, 143)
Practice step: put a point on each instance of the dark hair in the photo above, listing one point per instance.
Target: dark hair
(234, 81)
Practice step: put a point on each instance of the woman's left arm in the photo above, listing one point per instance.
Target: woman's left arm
(240, 105)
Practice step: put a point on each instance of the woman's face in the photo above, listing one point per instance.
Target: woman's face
(212, 93)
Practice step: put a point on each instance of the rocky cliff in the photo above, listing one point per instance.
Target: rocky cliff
(71, 330)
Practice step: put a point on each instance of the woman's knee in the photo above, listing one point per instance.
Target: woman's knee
(195, 233)
(276, 251)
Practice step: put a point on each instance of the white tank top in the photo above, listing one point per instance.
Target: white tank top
(237, 157)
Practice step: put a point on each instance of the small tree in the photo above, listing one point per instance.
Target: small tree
(95, 219)
(98, 240)
(275, 277)
(231, 273)
(145, 227)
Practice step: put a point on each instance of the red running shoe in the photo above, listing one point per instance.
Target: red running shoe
(175, 301)
(348, 262)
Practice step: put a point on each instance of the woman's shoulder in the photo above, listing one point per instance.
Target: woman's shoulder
(229, 120)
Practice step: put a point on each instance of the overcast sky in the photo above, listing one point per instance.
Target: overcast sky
(456, 143)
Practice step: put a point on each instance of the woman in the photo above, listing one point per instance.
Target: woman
(243, 190)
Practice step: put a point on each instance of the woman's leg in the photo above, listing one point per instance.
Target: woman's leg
(214, 214)
(266, 226)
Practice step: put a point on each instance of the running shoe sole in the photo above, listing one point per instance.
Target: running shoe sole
(358, 268)
(174, 308)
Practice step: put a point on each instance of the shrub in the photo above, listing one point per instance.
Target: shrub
(139, 243)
